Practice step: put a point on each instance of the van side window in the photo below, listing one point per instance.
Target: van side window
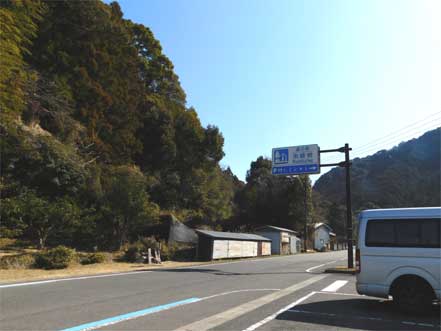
(407, 233)
(380, 233)
(403, 233)
(430, 233)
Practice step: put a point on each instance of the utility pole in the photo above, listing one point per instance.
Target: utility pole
(305, 205)
(348, 207)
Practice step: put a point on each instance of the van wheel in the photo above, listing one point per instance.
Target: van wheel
(412, 294)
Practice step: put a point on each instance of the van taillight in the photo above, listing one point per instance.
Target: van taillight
(357, 260)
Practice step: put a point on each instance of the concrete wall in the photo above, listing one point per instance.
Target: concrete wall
(321, 238)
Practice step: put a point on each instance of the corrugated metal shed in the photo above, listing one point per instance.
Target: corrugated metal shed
(221, 245)
(284, 241)
(232, 235)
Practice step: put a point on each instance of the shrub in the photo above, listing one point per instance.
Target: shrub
(137, 251)
(21, 261)
(6, 243)
(133, 252)
(149, 242)
(93, 258)
(12, 243)
(56, 258)
(177, 252)
(168, 251)
(185, 254)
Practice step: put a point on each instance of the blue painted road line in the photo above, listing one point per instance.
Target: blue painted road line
(135, 314)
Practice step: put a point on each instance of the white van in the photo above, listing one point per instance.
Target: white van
(399, 254)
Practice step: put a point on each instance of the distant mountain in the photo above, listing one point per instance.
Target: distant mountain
(407, 175)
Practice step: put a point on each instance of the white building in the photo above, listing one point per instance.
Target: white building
(322, 236)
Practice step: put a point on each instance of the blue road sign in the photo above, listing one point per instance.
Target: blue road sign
(295, 170)
(296, 160)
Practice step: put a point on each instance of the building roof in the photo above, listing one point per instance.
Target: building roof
(317, 225)
(232, 235)
(271, 227)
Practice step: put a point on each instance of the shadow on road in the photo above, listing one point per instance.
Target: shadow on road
(364, 314)
(227, 273)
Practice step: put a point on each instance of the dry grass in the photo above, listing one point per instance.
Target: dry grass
(76, 270)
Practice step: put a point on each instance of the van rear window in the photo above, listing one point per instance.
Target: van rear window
(403, 233)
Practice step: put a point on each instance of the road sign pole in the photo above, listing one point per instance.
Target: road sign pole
(348, 208)
(347, 165)
(305, 201)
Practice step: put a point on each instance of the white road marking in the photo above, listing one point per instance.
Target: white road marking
(238, 291)
(273, 316)
(221, 318)
(335, 286)
(347, 294)
(72, 278)
(320, 265)
(425, 324)
(358, 317)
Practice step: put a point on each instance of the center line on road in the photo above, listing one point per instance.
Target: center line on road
(335, 286)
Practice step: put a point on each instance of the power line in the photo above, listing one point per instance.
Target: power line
(398, 136)
(398, 139)
(428, 118)
(424, 127)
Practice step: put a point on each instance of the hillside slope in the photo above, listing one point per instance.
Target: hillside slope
(407, 175)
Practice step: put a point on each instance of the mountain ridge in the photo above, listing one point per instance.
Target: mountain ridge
(390, 178)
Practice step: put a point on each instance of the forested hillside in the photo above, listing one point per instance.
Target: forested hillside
(98, 141)
(407, 175)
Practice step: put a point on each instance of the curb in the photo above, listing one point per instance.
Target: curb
(340, 271)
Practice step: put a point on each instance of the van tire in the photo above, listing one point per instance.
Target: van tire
(412, 294)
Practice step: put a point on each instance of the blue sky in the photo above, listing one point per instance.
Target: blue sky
(285, 73)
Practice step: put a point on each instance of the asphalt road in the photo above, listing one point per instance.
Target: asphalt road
(267, 294)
